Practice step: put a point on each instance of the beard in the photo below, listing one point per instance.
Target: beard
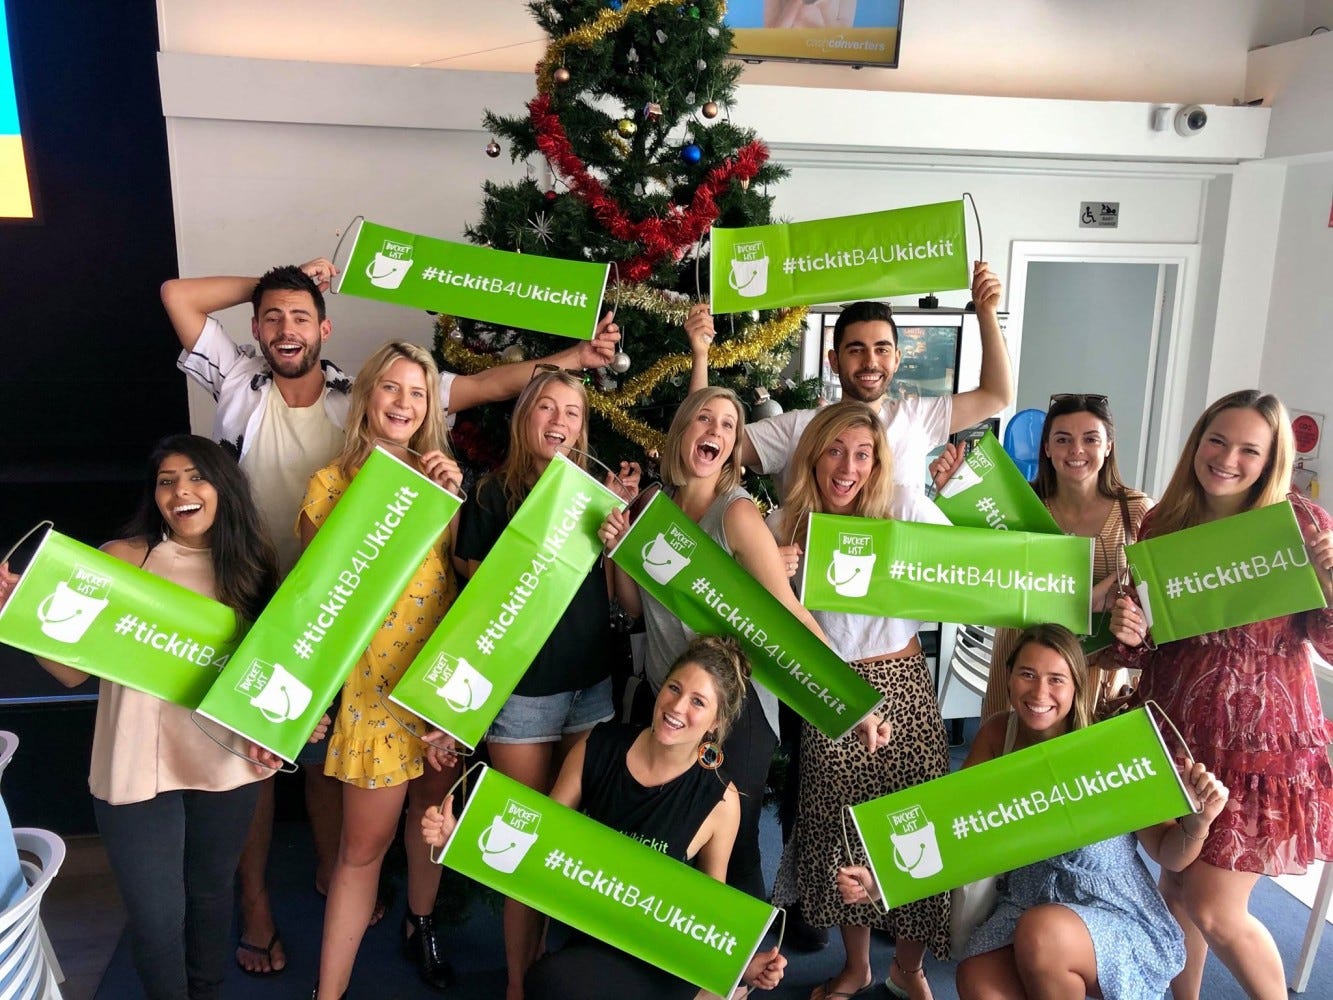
(852, 389)
(293, 366)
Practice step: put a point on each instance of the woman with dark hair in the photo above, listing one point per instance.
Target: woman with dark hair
(658, 785)
(395, 404)
(1244, 698)
(567, 689)
(1079, 482)
(172, 805)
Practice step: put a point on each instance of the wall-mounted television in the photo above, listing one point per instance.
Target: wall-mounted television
(16, 201)
(855, 32)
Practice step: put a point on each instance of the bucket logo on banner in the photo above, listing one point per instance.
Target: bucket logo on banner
(279, 694)
(462, 686)
(915, 849)
(852, 564)
(510, 836)
(667, 554)
(749, 269)
(68, 611)
(390, 265)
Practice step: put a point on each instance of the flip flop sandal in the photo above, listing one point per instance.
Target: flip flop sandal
(268, 956)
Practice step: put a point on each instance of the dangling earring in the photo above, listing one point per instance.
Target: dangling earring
(710, 753)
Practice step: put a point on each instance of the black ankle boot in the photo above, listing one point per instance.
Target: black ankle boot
(422, 946)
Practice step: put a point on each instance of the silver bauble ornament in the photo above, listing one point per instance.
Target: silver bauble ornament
(492, 149)
(764, 405)
(456, 335)
(619, 363)
(512, 353)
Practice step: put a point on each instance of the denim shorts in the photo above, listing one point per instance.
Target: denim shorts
(546, 718)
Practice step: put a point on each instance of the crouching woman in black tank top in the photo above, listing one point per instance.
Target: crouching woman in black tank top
(653, 785)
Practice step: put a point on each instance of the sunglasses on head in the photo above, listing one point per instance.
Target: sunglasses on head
(1079, 400)
(578, 375)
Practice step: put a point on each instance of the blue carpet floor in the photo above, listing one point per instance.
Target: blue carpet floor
(477, 952)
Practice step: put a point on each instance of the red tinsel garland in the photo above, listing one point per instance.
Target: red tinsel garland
(658, 237)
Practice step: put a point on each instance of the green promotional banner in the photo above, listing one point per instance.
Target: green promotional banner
(496, 628)
(717, 597)
(284, 674)
(99, 614)
(988, 491)
(508, 289)
(1036, 803)
(1246, 568)
(870, 256)
(530, 848)
(938, 572)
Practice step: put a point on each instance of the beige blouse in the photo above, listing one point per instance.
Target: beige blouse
(143, 745)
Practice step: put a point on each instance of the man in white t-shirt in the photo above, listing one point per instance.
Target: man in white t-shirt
(865, 356)
(282, 437)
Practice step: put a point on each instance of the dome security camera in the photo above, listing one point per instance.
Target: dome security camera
(1190, 120)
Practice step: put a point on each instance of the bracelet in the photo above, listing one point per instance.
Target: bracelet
(1190, 836)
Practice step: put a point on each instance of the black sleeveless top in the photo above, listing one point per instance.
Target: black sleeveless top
(665, 818)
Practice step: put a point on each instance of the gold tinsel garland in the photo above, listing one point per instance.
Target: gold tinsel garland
(612, 406)
(605, 23)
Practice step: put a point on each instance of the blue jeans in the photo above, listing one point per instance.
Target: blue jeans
(174, 857)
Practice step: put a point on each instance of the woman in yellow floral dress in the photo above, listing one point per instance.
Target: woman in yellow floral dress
(394, 403)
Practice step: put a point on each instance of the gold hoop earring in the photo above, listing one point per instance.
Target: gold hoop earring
(710, 754)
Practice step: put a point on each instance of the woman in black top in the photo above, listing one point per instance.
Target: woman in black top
(649, 785)
(567, 689)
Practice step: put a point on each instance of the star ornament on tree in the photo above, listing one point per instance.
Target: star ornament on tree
(541, 227)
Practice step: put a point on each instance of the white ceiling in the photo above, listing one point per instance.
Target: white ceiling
(1142, 50)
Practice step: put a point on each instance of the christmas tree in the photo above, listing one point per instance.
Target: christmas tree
(631, 118)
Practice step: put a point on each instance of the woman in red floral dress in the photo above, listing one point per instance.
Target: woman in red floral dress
(1244, 699)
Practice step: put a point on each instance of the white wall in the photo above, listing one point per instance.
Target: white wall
(1298, 354)
(1182, 51)
(270, 158)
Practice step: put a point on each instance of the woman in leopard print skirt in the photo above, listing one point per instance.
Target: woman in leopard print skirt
(842, 465)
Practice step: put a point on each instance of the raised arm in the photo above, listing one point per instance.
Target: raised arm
(189, 301)
(507, 381)
(699, 331)
(996, 390)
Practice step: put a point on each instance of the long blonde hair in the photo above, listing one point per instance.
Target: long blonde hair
(519, 470)
(358, 442)
(1183, 504)
(674, 470)
(802, 497)
(1063, 642)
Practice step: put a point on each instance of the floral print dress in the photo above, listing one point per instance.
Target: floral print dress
(367, 746)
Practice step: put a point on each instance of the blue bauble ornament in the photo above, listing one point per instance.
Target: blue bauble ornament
(691, 153)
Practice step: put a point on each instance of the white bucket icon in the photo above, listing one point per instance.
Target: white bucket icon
(850, 575)
(917, 853)
(661, 560)
(503, 845)
(749, 277)
(283, 697)
(466, 688)
(964, 479)
(387, 272)
(66, 614)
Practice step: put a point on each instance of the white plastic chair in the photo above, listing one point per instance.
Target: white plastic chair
(9, 742)
(27, 965)
(965, 652)
(1314, 930)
